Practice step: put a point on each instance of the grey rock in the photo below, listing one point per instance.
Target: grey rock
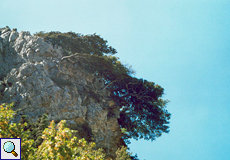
(13, 36)
(4, 30)
(34, 75)
(1, 46)
(2, 87)
(5, 36)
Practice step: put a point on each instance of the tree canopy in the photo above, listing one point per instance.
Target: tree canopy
(77, 43)
(143, 112)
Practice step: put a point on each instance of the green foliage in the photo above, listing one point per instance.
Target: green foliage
(36, 128)
(58, 143)
(124, 130)
(143, 112)
(77, 43)
(122, 154)
(8, 130)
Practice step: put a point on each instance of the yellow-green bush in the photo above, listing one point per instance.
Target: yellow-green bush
(58, 144)
(58, 141)
(13, 130)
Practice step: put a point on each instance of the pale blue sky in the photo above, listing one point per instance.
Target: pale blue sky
(182, 45)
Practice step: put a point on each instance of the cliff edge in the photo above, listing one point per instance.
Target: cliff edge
(40, 79)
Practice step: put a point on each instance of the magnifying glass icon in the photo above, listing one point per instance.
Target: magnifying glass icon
(9, 147)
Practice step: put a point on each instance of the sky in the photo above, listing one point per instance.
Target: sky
(182, 45)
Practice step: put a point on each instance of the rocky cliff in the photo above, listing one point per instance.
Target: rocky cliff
(39, 79)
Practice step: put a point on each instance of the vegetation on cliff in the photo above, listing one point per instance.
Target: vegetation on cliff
(58, 142)
(142, 110)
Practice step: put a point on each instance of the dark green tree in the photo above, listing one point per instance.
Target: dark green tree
(39, 127)
(23, 120)
(36, 128)
(142, 110)
(77, 43)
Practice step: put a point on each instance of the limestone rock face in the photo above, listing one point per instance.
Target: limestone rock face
(34, 75)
